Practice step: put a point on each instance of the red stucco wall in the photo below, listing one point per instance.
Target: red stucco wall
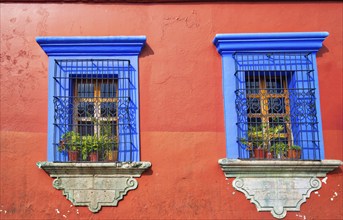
(181, 105)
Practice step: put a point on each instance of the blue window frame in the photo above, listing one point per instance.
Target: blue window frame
(271, 94)
(93, 95)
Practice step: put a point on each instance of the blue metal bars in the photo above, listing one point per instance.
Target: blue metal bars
(94, 116)
(275, 105)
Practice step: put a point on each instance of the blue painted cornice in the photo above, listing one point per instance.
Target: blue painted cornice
(297, 41)
(92, 46)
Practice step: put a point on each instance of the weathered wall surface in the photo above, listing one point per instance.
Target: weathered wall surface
(181, 105)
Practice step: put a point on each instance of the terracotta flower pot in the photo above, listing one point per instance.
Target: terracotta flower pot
(73, 155)
(112, 155)
(93, 157)
(258, 153)
(294, 154)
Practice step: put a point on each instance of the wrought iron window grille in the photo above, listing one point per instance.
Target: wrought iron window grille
(275, 105)
(94, 116)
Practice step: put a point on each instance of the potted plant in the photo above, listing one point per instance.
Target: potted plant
(254, 142)
(294, 152)
(71, 143)
(110, 148)
(259, 140)
(108, 143)
(279, 150)
(90, 147)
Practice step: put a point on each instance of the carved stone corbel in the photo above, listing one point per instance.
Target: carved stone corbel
(95, 184)
(277, 186)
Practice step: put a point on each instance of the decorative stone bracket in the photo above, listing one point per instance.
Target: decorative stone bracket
(95, 184)
(277, 186)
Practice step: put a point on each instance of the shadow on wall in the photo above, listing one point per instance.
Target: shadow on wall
(148, 172)
(337, 171)
(322, 51)
(147, 51)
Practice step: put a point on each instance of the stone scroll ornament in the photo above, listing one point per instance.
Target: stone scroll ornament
(95, 184)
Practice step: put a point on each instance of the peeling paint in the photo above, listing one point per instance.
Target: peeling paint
(301, 216)
(42, 24)
(190, 21)
(317, 193)
(335, 194)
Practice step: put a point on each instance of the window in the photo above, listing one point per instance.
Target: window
(93, 117)
(93, 98)
(275, 102)
(93, 110)
(271, 95)
(272, 108)
(95, 102)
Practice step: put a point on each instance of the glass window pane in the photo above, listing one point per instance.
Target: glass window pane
(85, 90)
(254, 106)
(274, 85)
(108, 109)
(254, 122)
(85, 128)
(276, 106)
(85, 109)
(252, 86)
(108, 90)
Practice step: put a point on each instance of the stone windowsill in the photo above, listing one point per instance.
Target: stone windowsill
(235, 167)
(134, 169)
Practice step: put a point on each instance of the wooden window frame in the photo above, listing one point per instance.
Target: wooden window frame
(97, 100)
(264, 97)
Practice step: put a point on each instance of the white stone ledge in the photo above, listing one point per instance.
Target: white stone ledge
(134, 169)
(261, 168)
